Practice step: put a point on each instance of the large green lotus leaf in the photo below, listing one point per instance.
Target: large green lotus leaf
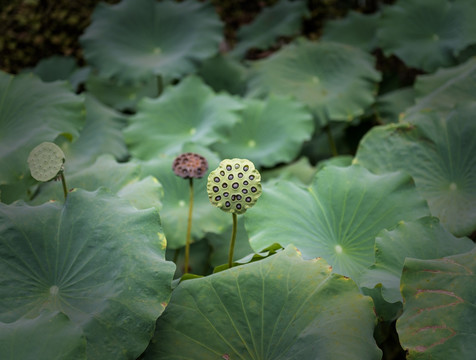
(176, 198)
(134, 39)
(337, 217)
(391, 107)
(439, 308)
(122, 97)
(300, 170)
(284, 18)
(188, 112)
(445, 89)
(32, 112)
(224, 73)
(420, 33)
(123, 179)
(422, 239)
(52, 335)
(438, 152)
(281, 307)
(271, 131)
(336, 81)
(355, 29)
(58, 67)
(101, 134)
(95, 259)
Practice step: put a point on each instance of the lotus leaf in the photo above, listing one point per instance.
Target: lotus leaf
(270, 132)
(439, 308)
(445, 89)
(188, 112)
(96, 261)
(122, 97)
(122, 179)
(390, 107)
(337, 217)
(418, 31)
(223, 73)
(61, 68)
(421, 239)
(284, 18)
(355, 29)
(32, 112)
(101, 134)
(281, 307)
(336, 81)
(134, 39)
(21, 340)
(438, 152)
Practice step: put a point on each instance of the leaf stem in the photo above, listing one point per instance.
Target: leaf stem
(65, 188)
(332, 143)
(189, 228)
(232, 241)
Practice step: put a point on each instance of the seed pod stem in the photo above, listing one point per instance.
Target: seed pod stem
(63, 181)
(189, 228)
(232, 241)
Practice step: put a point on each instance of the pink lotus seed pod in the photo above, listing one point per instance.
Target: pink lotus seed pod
(234, 186)
(190, 165)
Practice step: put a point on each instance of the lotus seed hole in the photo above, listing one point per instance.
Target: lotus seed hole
(216, 179)
(215, 189)
(244, 191)
(240, 175)
(222, 173)
(237, 166)
(230, 177)
(235, 185)
(224, 185)
(227, 204)
(238, 197)
(252, 177)
(338, 249)
(245, 182)
(238, 206)
(248, 199)
(253, 189)
(218, 198)
(246, 167)
(225, 194)
(228, 167)
(453, 186)
(54, 290)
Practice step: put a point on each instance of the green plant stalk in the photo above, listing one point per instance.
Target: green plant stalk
(63, 181)
(232, 241)
(189, 228)
(332, 143)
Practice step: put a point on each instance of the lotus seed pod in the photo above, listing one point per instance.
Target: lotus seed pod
(190, 165)
(46, 161)
(234, 186)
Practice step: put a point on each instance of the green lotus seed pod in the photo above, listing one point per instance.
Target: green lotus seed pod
(46, 161)
(234, 186)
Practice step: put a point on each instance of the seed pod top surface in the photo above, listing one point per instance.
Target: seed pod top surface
(190, 165)
(234, 186)
(46, 161)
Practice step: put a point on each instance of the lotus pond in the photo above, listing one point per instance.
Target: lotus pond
(301, 204)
